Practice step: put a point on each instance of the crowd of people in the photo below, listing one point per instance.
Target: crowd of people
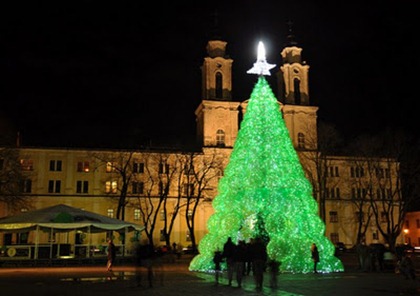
(371, 258)
(242, 258)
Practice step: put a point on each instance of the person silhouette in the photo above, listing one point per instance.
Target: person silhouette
(229, 249)
(315, 256)
(217, 259)
(259, 261)
(111, 254)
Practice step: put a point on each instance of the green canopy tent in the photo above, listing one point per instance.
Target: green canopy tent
(61, 218)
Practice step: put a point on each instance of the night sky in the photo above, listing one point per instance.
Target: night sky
(102, 74)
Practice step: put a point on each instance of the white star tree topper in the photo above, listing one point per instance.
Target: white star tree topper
(261, 67)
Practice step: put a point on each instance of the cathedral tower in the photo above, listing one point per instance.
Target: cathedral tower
(293, 93)
(217, 115)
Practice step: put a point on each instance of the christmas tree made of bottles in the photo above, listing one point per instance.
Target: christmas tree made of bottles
(264, 192)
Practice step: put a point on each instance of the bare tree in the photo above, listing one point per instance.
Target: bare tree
(119, 165)
(361, 196)
(15, 179)
(152, 200)
(316, 159)
(199, 172)
(173, 209)
(384, 174)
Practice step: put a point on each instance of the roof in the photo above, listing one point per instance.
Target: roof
(65, 218)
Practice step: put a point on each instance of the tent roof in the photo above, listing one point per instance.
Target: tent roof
(63, 217)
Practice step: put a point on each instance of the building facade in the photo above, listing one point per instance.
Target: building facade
(411, 231)
(171, 182)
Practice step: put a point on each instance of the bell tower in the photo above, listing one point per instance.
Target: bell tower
(217, 115)
(293, 93)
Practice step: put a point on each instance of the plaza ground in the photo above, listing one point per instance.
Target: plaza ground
(174, 278)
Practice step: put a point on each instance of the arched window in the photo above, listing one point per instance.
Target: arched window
(219, 85)
(296, 91)
(301, 140)
(220, 138)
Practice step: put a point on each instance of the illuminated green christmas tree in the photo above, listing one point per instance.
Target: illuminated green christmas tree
(264, 192)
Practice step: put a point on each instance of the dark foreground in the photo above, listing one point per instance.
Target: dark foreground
(174, 278)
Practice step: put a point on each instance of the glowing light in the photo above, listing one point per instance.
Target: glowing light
(261, 67)
(264, 192)
(261, 52)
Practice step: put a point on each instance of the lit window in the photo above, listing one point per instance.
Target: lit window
(111, 186)
(137, 214)
(110, 167)
(26, 164)
(110, 213)
(83, 166)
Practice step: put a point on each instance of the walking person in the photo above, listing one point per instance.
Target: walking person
(406, 267)
(248, 259)
(259, 260)
(240, 259)
(363, 255)
(217, 259)
(147, 255)
(274, 267)
(111, 254)
(315, 256)
(229, 249)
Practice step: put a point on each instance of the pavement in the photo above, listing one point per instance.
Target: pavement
(174, 278)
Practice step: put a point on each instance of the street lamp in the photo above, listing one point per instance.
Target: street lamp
(405, 234)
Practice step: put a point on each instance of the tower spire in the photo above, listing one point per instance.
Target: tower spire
(215, 30)
(290, 38)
